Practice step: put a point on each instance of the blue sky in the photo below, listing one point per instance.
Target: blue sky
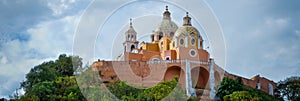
(262, 37)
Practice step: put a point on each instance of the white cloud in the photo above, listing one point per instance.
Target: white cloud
(62, 7)
(260, 37)
(46, 41)
(52, 37)
(4, 60)
(278, 23)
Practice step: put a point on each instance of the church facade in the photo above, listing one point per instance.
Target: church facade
(174, 51)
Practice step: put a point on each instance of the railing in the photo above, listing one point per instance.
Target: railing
(177, 61)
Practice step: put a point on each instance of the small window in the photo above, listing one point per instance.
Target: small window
(193, 53)
(160, 35)
(168, 58)
(152, 37)
(174, 44)
(193, 41)
(172, 34)
(258, 86)
(192, 33)
(181, 41)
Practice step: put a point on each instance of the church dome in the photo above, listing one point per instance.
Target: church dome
(187, 29)
(166, 27)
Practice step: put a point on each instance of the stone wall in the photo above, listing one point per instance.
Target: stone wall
(150, 73)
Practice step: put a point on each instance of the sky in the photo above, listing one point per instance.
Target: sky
(261, 36)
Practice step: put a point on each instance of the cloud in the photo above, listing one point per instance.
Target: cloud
(4, 60)
(47, 40)
(31, 33)
(66, 7)
(261, 37)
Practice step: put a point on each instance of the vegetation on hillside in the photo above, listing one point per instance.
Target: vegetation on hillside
(55, 80)
(289, 89)
(232, 90)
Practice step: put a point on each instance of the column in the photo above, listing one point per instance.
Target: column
(190, 91)
(212, 92)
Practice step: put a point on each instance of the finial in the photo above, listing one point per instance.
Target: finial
(130, 21)
(166, 8)
(187, 20)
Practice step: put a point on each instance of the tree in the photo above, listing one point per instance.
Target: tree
(241, 96)
(160, 91)
(53, 80)
(64, 65)
(122, 90)
(38, 74)
(233, 90)
(228, 86)
(289, 88)
(163, 89)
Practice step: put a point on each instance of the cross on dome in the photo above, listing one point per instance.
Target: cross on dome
(130, 22)
(166, 8)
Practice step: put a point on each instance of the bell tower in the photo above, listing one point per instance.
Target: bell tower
(130, 43)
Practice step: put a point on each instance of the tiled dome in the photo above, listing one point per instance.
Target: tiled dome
(166, 25)
(187, 31)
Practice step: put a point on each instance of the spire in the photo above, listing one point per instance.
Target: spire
(187, 20)
(131, 29)
(167, 13)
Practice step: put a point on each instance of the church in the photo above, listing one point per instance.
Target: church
(175, 50)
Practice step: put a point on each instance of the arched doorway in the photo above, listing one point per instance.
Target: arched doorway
(200, 77)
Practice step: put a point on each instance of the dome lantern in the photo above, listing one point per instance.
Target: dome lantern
(187, 20)
(167, 14)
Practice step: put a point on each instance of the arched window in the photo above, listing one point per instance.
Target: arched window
(152, 37)
(173, 44)
(132, 37)
(160, 35)
(181, 41)
(193, 41)
(270, 89)
(132, 47)
(258, 86)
